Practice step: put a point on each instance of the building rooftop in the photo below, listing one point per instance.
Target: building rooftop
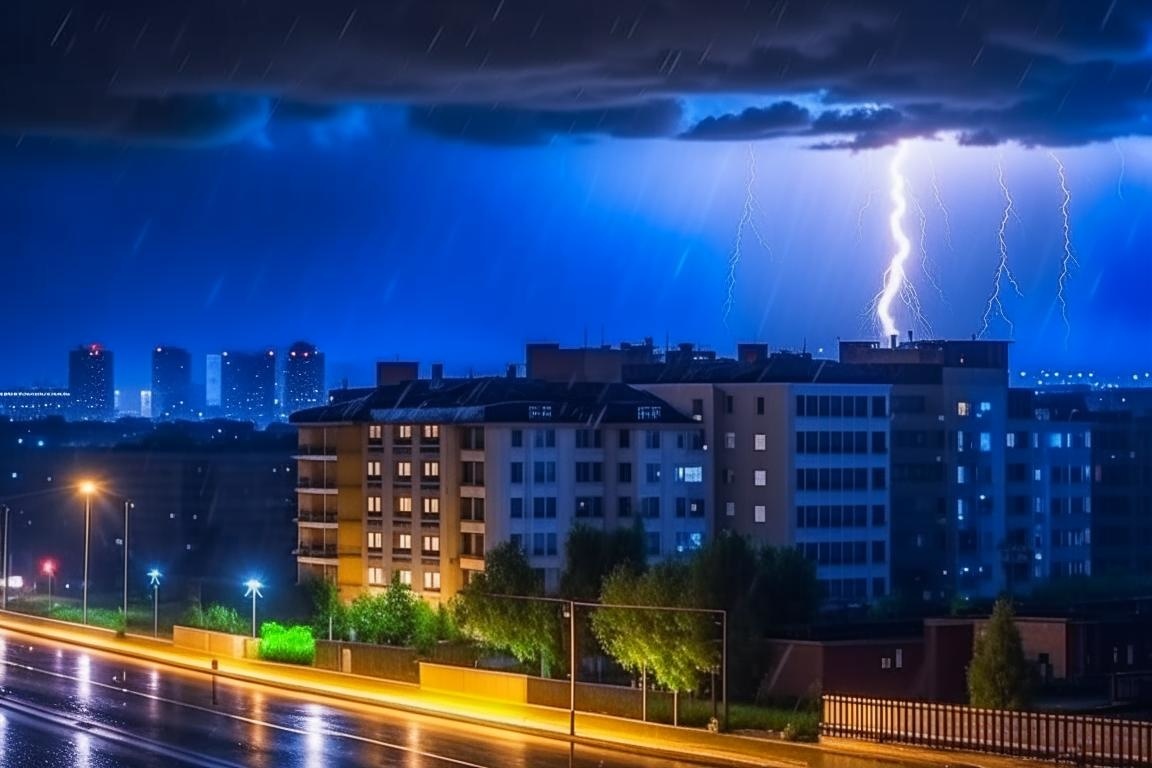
(497, 400)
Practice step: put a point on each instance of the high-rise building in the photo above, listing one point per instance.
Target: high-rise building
(212, 386)
(248, 386)
(417, 481)
(171, 383)
(303, 377)
(90, 382)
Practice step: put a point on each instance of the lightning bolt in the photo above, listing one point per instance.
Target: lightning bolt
(895, 279)
(1003, 272)
(860, 216)
(1069, 258)
(1123, 168)
(927, 265)
(943, 208)
(747, 221)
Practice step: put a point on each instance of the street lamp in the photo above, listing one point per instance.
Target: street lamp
(5, 555)
(49, 570)
(87, 488)
(127, 506)
(154, 580)
(254, 586)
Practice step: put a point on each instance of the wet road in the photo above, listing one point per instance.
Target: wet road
(66, 706)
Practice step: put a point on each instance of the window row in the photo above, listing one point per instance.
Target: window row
(377, 578)
(429, 470)
(845, 552)
(840, 479)
(402, 506)
(856, 442)
(402, 543)
(842, 406)
(839, 516)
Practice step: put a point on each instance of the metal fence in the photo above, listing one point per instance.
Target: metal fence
(1083, 740)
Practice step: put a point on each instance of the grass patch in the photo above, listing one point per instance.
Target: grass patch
(290, 645)
(800, 724)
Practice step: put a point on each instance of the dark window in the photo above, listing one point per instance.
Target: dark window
(517, 438)
(729, 405)
(879, 408)
(624, 506)
(879, 553)
(759, 406)
(625, 439)
(624, 472)
(879, 442)
(697, 408)
(800, 405)
(517, 472)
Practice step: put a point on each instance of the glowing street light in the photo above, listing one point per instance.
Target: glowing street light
(154, 581)
(254, 586)
(49, 570)
(87, 488)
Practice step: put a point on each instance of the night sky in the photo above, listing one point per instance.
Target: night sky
(442, 180)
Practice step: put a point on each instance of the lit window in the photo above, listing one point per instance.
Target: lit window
(374, 469)
(538, 413)
(431, 505)
(985, 406)
(648, 413)
(404, 469)
(375, 540)
(985, 441)
(431, 469)
(760, 513)
(760, 442)
(1010, 439)
(1056, 440)
(761, 477)
(961, 474)
(431, 545)
(404, 541)
(375, 505)
(404, 504)
(432, 580)
(404, 432)
(963, 408)
(431, 432)
(730, 508)
(405, 576)
(376, 577)
(690, 474)
(375, 431)
(729, 439)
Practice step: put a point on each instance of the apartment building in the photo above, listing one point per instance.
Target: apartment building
(417, 480)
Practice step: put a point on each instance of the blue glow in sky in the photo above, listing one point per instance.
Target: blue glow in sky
(446, 181)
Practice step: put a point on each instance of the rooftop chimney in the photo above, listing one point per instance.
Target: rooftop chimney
(895, 339)
(437, 371)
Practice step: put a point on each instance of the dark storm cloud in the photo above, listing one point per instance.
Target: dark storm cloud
(781, 118)
(507, 71)
(502, 125)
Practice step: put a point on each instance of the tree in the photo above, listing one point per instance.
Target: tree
(998, 674)
(677, 647)
(591, 554)
(328, 610)
(488, 609)
(388, 617)
(786, 590)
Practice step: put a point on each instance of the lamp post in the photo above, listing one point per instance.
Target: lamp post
(254, 586)
(87, 488)
(127, 506)
(5, 593)
(154, 580)
(49, 569)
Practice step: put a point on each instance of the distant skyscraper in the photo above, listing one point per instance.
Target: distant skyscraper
(303, 377)
(146, 403)
(90, 381)
(171, 383)
(212, 368)
(248, 385)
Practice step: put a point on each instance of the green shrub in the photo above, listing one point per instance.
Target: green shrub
(290, 645)
(216, 618)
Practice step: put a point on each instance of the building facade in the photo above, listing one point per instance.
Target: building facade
(416, 481)
(304, 382)
(171, 383)
(248, 386)
(91, 383)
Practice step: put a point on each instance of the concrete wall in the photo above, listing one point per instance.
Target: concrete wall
(215, 643)
(481, 683)
(612, 700)
(383, 661)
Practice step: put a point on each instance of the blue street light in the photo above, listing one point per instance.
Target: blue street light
(254, 586)
(154, 582)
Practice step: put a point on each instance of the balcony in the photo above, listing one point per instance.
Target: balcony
(315, 453)
(310, 552)
(313, 486)
(471, 562)
(404, 553)
(323, 519)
